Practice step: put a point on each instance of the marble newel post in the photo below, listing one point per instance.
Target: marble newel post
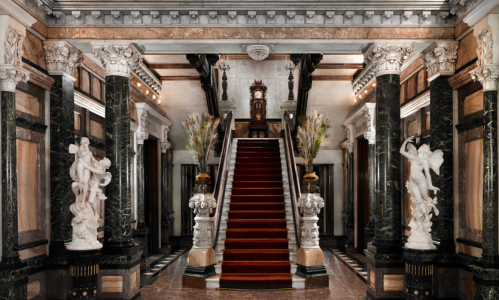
(349, 214)
(13, 272)
(120, 256)
(486, 271)
(166, 190)
(384, 254)
(370, 227)
(141, 136)
(440, 59)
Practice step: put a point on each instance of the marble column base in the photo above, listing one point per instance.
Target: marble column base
(13, 284)
(119, 283)
(201, 257)
(486, 282)
(142, 235)
(310, 257)
(385, 275)
(58, 283)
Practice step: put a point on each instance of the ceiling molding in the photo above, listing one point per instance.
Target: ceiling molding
(415, 105)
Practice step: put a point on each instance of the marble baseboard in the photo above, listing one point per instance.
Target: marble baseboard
(193, 282)
(385, 283)
(59, 284)
(318, 282)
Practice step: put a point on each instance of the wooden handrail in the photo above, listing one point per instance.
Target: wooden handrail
(294, 180)
(223, 171)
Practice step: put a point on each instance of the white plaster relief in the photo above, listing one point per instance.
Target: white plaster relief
(194, 17)
(290, 17)
(117, 59)
(310, 206)
(440, 58)
(232, 17)
(117, 16)
(387, 59)
(79, 16)
(61, 57)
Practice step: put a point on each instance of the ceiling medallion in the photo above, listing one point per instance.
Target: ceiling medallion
(258, 52)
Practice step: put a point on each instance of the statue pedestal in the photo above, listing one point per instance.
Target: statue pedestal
(419, 270)
(201, 266)
(310, 257)
(311, 267)
(84, 271)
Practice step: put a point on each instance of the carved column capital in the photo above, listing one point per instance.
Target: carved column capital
(370, 136)
(10, 76)
(61, 58)
(440, 58)
(117, 59)
(488, 76)
(141, 133)
(13, 47)
(484, 50)
(387, 58)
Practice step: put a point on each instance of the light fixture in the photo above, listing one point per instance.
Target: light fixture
(154, 96)
(355, 100)
(365, 91)
(147, 92)
(159, 101)
(139, 84)
(374, 84)
(360, 96)
(291, 116)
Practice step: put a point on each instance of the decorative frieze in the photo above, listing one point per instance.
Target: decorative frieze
(258, 52)
(13, 47)
(357, 18)
(484, 50)
(79, 16)
(365, 76)
(486, 72)
(117, 59)
(61, 57)
(440, 58)
(387, 59)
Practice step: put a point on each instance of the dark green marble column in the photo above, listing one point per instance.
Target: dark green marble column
(349, 221)
(10, 254)
(165, 186)
(486, 272)
(388, 232)
(372, 192)
(441, 137)
(61, 136)
(142, 229)
(117, 230)
(13, 273)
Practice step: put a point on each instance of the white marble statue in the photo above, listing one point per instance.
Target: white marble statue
(89, 176)
(203, 205)
(418, 186)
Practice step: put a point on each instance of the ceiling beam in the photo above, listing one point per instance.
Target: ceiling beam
(340, 66)
(179, 78)
(333, 78)
(170, 66)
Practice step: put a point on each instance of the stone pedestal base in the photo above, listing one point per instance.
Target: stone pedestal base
(13, 283)
(310, 257)
(84, 270)
(486, 282)
(419, 271)
(385, 275)
(201, 257)
(194, 276)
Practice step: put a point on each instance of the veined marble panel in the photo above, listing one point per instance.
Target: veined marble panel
(474, 183)
(27, 185)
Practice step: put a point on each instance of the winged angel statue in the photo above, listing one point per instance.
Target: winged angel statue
(89, 177)
(418, 186)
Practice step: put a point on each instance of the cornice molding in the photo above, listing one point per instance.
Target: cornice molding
(17, 12)
(361, 122)
(364, 78)
(416, 104)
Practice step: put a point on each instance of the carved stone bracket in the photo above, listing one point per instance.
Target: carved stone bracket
(486, 72)
(142, 133)
(13, 46)
(488, 76)
(440, 58)
(117, 59)
(61, 57)
(387, 58)
(370, 137)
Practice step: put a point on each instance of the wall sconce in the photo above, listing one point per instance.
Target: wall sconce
(139, 84)
(147, 92)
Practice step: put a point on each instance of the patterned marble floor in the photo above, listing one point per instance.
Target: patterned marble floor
(343, 284)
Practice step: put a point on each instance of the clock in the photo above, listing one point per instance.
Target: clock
(258, 126)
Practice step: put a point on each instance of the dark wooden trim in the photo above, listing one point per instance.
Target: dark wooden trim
(30, 125)
(340, 66)
(333, 78)
(77, 89)
(204, 64)
(469, 243)
(249, 120)
(34, 66)
(32, 244)
(179, 78)
(170, 66)
(309, 63)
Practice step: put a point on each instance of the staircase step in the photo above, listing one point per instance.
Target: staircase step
(259, 255)
(259, 244)
(257, 164)
(242, 149)
(241, 206)
(249, 224)
(274, 160)
(257, 171)
(258, 154)
(255, 184)
(257, 214)
(266, 177)
(258, 143)
(258, 281)
(256, 267)
(257, 233)
(255, 198)
(257, 191)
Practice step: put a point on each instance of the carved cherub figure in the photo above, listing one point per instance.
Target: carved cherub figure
(418, 185)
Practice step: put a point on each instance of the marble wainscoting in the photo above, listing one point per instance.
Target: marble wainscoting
(243, 132)
(343, 285)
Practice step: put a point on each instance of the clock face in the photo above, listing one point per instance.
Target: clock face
(258, 94)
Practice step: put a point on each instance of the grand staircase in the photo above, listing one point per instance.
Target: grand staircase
(256, 242)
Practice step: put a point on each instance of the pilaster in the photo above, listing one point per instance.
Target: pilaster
(165, 187)
(349, 218)
(370, 227)
(384, 259)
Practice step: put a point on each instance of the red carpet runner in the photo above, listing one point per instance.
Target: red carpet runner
(256, 254)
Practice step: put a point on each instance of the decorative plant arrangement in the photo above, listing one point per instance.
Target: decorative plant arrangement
(311, 133)
(202, 132)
